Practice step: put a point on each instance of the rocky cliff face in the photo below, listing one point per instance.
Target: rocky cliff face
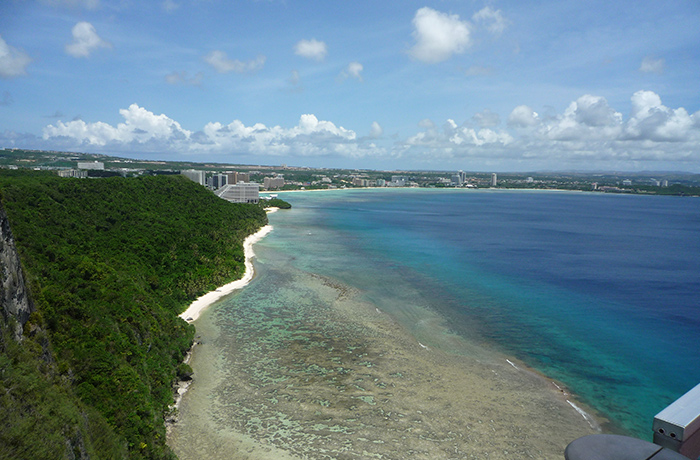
(14, 299)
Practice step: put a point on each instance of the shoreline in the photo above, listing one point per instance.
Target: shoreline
(443, 189)
(203, 302)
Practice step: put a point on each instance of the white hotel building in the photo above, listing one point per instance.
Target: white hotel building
(242, 192)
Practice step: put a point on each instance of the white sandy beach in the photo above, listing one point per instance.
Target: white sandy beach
(199, 305)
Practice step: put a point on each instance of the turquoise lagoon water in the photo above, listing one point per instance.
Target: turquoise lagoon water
(597, 291)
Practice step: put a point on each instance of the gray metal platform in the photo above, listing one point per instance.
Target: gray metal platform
(614, 447)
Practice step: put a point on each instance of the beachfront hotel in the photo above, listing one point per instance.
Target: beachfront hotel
(242, 192)
(273, 182)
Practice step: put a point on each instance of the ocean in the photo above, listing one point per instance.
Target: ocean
(599, 292)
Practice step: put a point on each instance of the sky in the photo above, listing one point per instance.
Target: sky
(476, 85)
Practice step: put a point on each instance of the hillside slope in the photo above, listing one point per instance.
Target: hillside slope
(109, 264)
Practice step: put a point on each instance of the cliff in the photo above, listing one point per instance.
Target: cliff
(16, 306)
(39, 415)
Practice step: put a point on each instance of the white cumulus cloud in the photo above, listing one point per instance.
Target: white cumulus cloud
(310, 137)
(311, 49)
(140, 126)
(353, 70)
(376, 130)
(438, 36)
(309, 124)
(453, 139)
(85, 40)
(651, 120)
(493, 20)
(143, 131)
(13, 62)
(590, 130)
(523, 116)
(589, 118)
(589, 133)
(222, 64)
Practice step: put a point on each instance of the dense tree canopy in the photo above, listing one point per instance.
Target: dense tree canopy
(275, 203)
(110, 264)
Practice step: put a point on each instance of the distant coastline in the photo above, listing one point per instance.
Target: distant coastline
(492, 189)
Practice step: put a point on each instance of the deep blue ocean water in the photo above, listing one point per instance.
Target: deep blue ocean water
(598, 291)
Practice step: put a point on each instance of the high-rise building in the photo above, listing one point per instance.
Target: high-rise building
(494, 180)
(94, 165)
(195, 176)
(360, 182)
(80, 173)
(242, 192)
(273, 182)
(399, 181)
(218, 181)
(232, 177)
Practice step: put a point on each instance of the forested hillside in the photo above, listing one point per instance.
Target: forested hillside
(109, 265)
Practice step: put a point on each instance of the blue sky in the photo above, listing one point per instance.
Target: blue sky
(393, 84)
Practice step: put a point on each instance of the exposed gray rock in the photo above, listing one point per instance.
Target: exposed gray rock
(14, 298)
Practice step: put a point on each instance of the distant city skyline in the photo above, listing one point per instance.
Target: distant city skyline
(432, 85)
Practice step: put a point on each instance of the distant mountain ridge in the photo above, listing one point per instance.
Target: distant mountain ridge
(88, 357)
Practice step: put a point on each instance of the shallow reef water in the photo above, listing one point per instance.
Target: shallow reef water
(299, 366)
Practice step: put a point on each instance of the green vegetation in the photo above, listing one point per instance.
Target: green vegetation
(110, 263)
(675, 189)
(275, 203)
(40, 416)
